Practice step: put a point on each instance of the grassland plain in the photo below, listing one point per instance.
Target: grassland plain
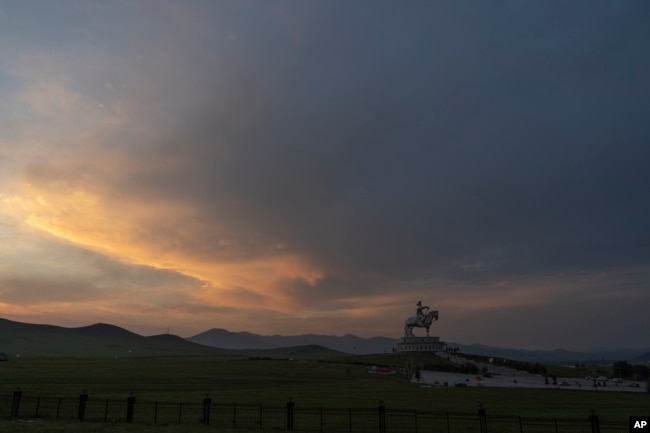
(338, 383)
(76, 427)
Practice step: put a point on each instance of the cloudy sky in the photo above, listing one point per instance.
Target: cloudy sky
(288, 167)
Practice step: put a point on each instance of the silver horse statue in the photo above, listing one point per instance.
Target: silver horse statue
(420, 320)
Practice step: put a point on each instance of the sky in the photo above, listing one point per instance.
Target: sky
(292, 167)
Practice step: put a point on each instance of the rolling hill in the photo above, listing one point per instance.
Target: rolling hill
(98, 340)
(104, 340)
(352, 344)
(310, 351)
(348, 343)
(645, 357)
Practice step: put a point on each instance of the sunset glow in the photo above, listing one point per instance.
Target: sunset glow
(309, 167)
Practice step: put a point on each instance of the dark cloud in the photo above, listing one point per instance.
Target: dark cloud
(516, 142)
(396, 148)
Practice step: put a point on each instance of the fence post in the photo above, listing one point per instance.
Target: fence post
(595, 423)
(15, 403)
(290, 414)
(482, 418)
(130, 406)
(207, 401)
(83, 401)
(415, 418)
(350, 419)
(382, 417)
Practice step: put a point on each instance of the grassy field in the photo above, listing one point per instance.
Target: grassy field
(75, 427)
(338, 383)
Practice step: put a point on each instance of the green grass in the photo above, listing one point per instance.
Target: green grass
(340, 383)
(77, 427)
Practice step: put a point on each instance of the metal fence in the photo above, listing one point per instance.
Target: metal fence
(291, 417)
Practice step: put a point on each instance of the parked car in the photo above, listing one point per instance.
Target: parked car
(564, 384)
(635, 385)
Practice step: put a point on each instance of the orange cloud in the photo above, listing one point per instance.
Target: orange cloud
(159, 235)
(69, 184)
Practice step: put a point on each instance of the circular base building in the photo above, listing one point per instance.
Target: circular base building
(420, 344)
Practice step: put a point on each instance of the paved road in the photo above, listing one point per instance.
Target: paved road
(521, 380)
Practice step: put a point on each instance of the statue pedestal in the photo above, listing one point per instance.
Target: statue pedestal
(420, 344)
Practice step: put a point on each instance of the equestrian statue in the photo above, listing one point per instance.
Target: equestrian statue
(422, 319)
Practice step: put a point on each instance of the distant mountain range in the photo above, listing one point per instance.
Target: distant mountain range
(101, 339)
(245, 340)
(361, 346)
(98, 340)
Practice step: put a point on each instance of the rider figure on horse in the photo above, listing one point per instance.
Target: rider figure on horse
(421, 312)
(422, 319)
